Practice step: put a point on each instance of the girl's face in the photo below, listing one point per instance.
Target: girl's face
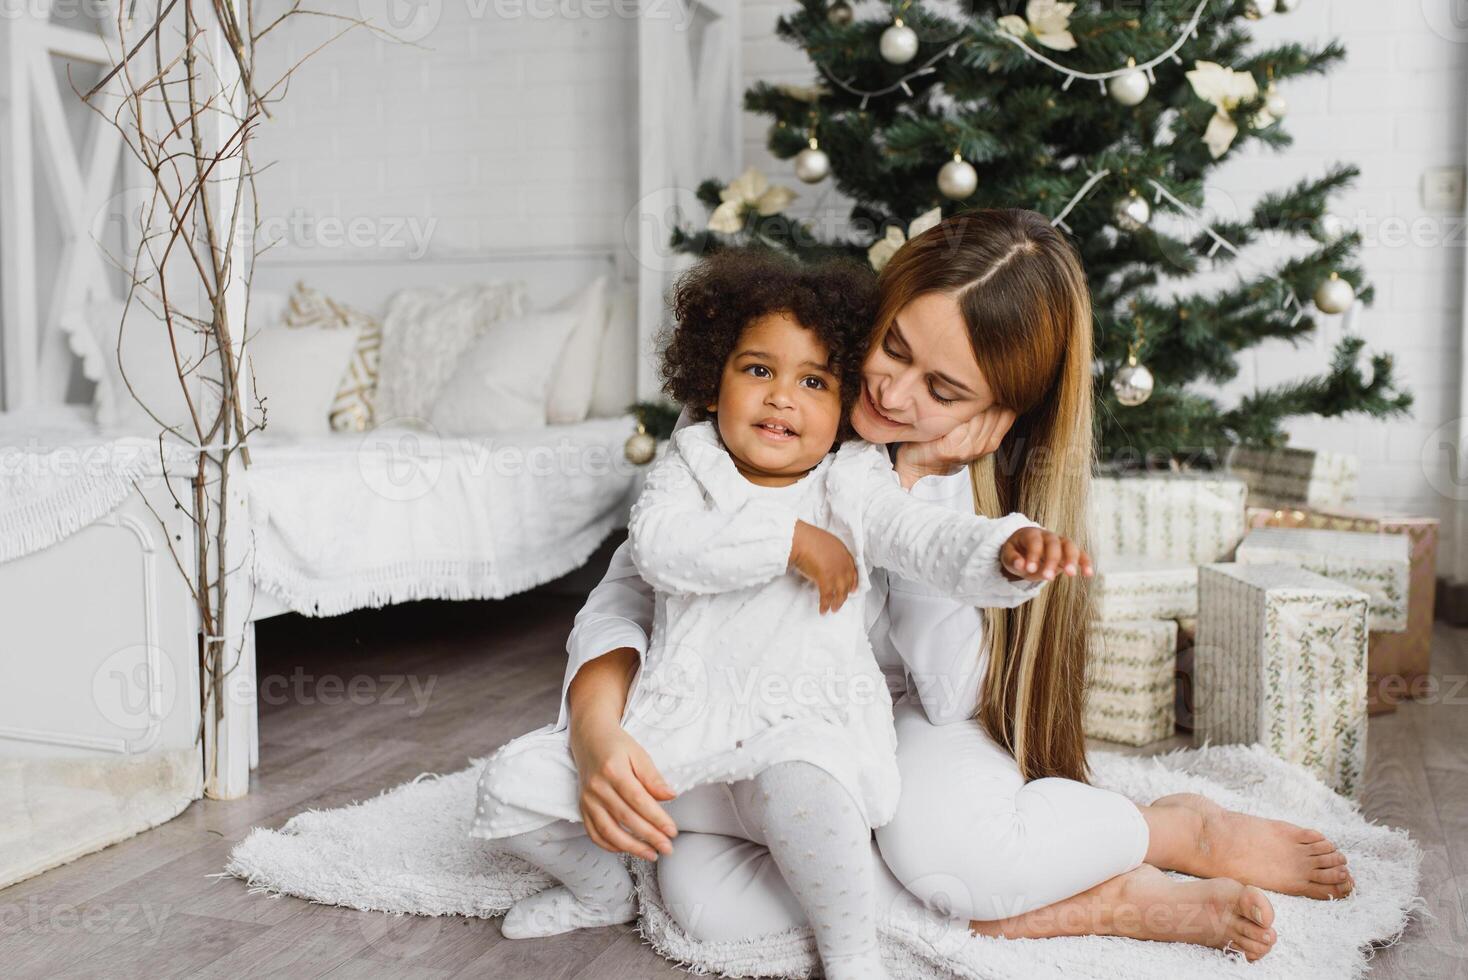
(922, 381)
(779, 407)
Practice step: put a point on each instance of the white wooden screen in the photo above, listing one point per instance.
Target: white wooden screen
(65, 197)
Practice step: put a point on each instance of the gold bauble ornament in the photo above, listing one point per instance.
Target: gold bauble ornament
(640, 447)
(1335, 295)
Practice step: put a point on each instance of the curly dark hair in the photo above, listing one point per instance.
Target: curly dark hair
(715, 300)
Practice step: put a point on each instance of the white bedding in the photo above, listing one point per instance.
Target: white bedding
(349, 521)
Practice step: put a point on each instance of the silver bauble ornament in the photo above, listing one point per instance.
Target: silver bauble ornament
(1133, 383)
(1132, 212)
(640, 447)
(899, 43)
(839, 13)
(1332, 228)
(1255, 9)
(1129, 88)
(1285, 6)
(1335, 295)
(811, 164)
(958, 179)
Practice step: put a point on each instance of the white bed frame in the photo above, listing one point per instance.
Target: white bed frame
(689, 115)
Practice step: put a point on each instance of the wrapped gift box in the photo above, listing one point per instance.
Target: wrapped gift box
(1130, 684)
(1377, 564)
(1132, 587)
(1192, 517)
(1295, 477)
(1281, 660)
(1398, 662)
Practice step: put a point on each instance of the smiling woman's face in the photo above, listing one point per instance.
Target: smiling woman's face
(922, 380)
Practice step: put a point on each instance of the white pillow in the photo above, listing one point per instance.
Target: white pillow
(503, 380)
(616, 370)
(297, 372)
(147, 359)
(575, 374)
(426, 331)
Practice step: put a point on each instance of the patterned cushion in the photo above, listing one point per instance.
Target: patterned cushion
(353, 409)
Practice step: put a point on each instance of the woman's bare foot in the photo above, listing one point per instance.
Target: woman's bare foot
(1271, 854)
(1146, 904)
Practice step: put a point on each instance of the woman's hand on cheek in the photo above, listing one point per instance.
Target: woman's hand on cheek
(968, 441)
(1035, 554)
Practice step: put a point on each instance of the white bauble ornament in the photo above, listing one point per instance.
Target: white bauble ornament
(1133, 383)
(899, 43)
(640, 447)
(958, 179)
(1129, 88)
(839, 13)
(1275, 103)
(1335, 295)
(1285, 6)
(1255, 9)
(1332, 228)
(811, 164)
(1132, 212)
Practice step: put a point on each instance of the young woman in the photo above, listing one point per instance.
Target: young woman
(980, 356)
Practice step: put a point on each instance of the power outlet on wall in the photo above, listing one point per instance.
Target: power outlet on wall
(1442, 189)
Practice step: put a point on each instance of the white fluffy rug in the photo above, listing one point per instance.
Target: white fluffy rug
(408, 851)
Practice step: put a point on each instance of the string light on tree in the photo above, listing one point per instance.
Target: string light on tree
(899, 43)
(839, 13)
(1130, 87)
(958, 179)
(1335, 295)
(1255, 9)
(1332, 228)
(1132, 213)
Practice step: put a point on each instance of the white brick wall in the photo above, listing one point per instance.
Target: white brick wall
(1395, 108)
(510, 124)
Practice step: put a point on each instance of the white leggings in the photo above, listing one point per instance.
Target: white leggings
(971, 839)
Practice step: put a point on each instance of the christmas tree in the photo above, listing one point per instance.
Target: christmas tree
(1107, 118)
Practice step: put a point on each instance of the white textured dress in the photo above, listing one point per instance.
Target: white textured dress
(743, 671)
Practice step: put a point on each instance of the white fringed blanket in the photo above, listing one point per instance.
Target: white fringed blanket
(398, 514)
(57, 475)
(408, 851)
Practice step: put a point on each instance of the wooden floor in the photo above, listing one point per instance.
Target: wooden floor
(440, 682)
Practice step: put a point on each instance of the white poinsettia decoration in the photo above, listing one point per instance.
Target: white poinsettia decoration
(1224, 89)
(750, 189)
(1048, 20)
(885, 247)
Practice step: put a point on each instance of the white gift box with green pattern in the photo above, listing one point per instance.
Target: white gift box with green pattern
(1130, 683)
(1281, 660)
(1187, 516)
(1132, 587)
(1295, 477)
(1378, 564)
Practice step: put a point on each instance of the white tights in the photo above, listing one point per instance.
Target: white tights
(971, 839)
(801, 817)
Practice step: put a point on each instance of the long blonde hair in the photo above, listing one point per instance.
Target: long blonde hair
(1025, 301)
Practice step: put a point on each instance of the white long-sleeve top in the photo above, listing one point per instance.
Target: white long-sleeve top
(742, 671)
(928, 645)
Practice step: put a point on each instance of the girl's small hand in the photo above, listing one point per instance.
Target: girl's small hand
(974, 439)
(620, 793)
(822, 558)
(1035, 554)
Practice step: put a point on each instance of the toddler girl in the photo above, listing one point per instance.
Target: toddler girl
(754, 680)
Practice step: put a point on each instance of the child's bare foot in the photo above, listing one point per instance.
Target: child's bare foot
(1146, 904)
(1271, 854)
